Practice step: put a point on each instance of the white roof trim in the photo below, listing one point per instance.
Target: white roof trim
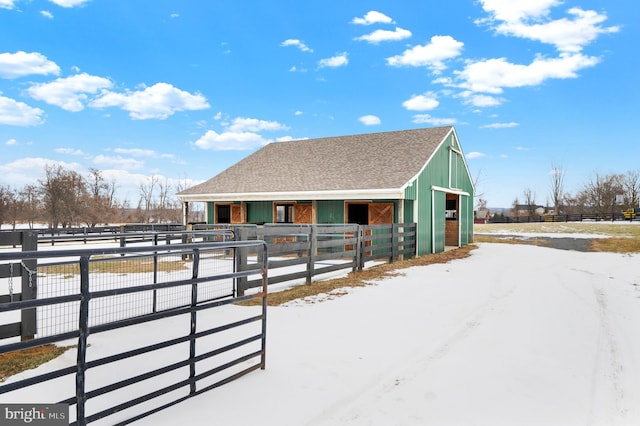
(450, 190)
(363, 194)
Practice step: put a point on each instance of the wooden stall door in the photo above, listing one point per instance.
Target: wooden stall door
(380, 213)
(302, 213)
(236, 213)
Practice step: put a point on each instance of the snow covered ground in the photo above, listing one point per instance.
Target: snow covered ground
(513, 335)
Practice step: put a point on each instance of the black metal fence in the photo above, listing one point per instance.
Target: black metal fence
(574, 217)
(301, 252)
(194, 340)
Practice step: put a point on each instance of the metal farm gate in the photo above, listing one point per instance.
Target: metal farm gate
(143, 339)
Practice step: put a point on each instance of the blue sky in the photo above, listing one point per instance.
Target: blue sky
(183, 90)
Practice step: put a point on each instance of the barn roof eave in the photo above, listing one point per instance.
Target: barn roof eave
(362, 194)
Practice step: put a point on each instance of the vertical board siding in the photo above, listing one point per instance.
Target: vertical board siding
(331, 211)
(210, 210)
(260, 212)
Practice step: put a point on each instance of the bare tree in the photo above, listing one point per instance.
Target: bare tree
(600, 193)
(631, 186)
(100, 201)
(530, 200)
(30, 204)
(146, 196)
(4, 202)
(64, 195)
(557, 186)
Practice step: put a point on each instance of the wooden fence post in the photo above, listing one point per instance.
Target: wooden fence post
(313, 244)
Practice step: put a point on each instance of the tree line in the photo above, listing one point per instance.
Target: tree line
(602, 194)
(66, 198)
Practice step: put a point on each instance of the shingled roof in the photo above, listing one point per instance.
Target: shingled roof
(367, 162)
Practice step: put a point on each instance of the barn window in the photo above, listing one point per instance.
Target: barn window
(284, 213)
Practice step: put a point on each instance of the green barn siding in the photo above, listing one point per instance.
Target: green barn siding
(330, 211)
(411, 191)
(437, 173)
(260, 212)
(439, 204)
(210, 210)
(408, 211)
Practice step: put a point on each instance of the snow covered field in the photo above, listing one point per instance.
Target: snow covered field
(513, 335)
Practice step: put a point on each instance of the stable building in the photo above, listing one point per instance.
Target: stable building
(403, 176)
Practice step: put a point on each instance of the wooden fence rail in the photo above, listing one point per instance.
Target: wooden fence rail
(302, 252)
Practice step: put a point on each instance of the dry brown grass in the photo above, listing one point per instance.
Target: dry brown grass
(116, 266)
(15, 362)
(616, 245)
(360, 279)
(503, 240)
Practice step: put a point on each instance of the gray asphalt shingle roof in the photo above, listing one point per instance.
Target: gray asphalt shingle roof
(386, 160)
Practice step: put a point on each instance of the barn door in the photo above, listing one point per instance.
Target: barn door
(236, 213)
(380, 213)
(302, 213)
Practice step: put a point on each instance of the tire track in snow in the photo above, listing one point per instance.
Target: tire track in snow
(608, 354)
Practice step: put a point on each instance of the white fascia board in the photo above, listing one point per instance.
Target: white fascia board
(363, 194)
(449, 190)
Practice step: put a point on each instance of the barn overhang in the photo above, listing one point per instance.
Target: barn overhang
(358, 194)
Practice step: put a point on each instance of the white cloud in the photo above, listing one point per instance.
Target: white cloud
(136, 152)
(241, 124)
(174, 15)
(11, 142)
(145, 153)
(297, 43)
(500, 125)
(425, 102)
(70, 151)
(530, 20)
(567, 35)
(511, 11)
(334, 61)
(69, 3)
(118, 161)
(13, 65)
(27, 171)
(427, 119)
(369, 120)
(229, 141)
(298, 113)
(373, 17)
(158, 101)
(14, 113)
(475, 154)
(492, 75)
(6, 4)
(46, 14)
(431, 55)
(385, 35)
(69, 93)
(482, 100)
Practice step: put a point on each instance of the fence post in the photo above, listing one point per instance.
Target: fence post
(313, 244)
(83, 329)
(192, 334)
(360, 247)
(29, 242)
(240, 262)
(394, 243)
